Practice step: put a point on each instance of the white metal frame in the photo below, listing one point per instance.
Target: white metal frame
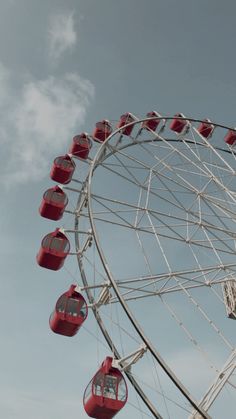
(184, 280)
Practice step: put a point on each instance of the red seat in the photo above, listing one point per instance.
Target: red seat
(70, 312)
(107, 392)
(53, 203)
(54, 249)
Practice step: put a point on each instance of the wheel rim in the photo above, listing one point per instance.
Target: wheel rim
(220, 243)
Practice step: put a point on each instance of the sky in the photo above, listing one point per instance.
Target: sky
(63, 67)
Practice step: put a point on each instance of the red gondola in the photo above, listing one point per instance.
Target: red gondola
(106, 393)
(127, 118)
(230, 137)
(102, 130)
(206, 128)
(179, 125)
(81, 145)
(70, 312)
(53, 203)
(62, 169)
(54, 248)
(153, 123)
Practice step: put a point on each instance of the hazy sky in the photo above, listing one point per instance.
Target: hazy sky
(64, 65)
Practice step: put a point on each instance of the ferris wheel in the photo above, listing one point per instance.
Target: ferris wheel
(151, 203)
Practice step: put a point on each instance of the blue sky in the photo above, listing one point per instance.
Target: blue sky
(63, 67)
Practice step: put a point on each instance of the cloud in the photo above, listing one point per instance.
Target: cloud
(62, 34)
(37, 121)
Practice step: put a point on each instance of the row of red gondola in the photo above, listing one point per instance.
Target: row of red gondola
(205, 128)
(63, 167)
(55, 200)
(106, 393)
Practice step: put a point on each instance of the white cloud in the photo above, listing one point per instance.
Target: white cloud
(37, 121)
(62, 34)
